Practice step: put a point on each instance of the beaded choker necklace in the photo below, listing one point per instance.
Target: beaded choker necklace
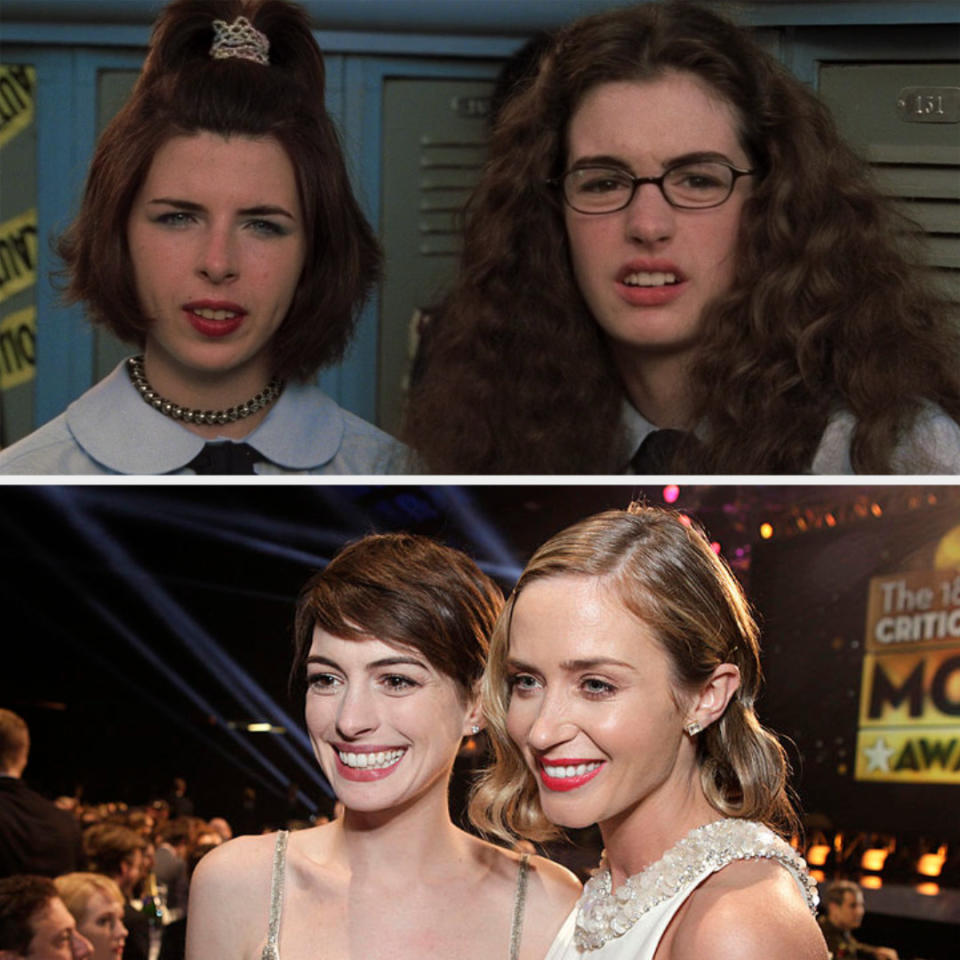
(173, 410)
(603, 915)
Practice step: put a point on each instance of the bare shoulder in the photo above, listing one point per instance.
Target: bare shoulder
(551, 893)
(743, 912)
(234, 864)
(549, 885)
(230, 898)
(556, 884)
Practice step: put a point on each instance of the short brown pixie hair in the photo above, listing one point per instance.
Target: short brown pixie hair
(183, 91)
(408, 590)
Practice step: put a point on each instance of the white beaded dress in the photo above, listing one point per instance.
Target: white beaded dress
(628, 924)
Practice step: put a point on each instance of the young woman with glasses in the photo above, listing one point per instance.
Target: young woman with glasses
(219, 235)
(672, 261)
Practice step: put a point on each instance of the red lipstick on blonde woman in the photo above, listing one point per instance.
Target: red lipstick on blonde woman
(565, 773)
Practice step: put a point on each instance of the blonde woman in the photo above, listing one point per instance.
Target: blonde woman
(96, 903)
(619, 691)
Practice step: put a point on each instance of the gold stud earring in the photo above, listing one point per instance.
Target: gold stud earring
(693, 728)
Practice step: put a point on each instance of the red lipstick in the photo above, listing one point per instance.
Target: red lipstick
(563, 784)
(214, 328)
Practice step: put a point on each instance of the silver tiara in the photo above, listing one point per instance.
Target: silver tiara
(240, 39)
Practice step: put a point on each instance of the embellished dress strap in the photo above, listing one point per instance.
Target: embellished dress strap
(519, 903)
(271, 949)
(652, 896)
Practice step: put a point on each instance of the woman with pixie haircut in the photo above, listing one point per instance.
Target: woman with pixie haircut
(218, 233)
(390, 643)
(672, 261)
(620, 691)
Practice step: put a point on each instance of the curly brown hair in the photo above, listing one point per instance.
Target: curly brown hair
(182, 91)
(830, 309)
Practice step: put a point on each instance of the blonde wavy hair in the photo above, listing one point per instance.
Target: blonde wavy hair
(666, 575)
(76, 889)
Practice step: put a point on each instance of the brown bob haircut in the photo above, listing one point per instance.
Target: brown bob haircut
(183, 91)
(407, 590)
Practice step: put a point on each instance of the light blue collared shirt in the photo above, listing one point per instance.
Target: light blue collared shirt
(110, 430)
(931, 447)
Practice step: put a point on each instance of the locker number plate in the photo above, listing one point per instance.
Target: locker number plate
(929, 104)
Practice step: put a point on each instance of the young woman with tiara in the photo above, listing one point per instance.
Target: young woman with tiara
(390, 642)
(672, 261)
(218, 233)
(620, 691)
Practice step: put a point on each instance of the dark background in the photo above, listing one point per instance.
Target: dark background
(139, 622)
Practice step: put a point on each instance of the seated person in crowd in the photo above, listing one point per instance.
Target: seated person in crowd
(844, 909)
(97, 904)
(170, 862)
(35, 923)
(117, 852)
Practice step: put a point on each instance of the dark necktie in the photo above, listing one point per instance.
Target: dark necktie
(225, 457)
(656, 453)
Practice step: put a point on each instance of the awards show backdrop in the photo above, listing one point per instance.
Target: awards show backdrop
(144, 629)
(861, 628)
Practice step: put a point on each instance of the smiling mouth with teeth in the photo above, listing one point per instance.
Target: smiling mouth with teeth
(645, 279)
(370, 761)
(214, 314)
(561, 773)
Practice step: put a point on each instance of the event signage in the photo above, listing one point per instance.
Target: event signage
(909, 724)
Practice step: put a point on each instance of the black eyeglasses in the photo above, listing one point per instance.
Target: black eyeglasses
(688, 186)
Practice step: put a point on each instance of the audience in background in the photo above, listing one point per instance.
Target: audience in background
(170, 861)
(118, 852)
(97, 905)
(174, 943)
(844, 909)
(36, 837)
(222, 828)
(118, 839)
(35, 923)
(179, 804)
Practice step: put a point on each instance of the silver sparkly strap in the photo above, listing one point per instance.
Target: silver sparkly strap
(240, 40)
(519, 903)
(271, 949)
